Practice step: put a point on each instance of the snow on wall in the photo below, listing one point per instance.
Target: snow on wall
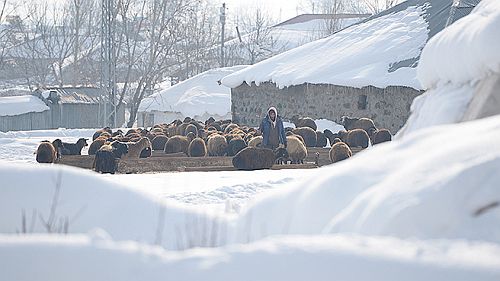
(17, 105)
(198, 95)
(357, 56)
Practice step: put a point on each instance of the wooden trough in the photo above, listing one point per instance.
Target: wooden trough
(179, 162)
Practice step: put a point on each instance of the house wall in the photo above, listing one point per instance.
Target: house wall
(27, 121)
(68, 115)
(389, 108)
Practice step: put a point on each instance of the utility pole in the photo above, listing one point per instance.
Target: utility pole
(223, 23)
(108, 62)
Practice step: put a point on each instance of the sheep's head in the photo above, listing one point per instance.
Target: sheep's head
(57, 143)
(82, 142)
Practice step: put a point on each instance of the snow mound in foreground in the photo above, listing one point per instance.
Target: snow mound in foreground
(441, 182)
(465, 51)
(349, 258)
(86, 201)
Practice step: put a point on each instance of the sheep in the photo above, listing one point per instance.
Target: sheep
(209, 121)
(357, 138)
(297, 151)
(255, 141)
(74, 148)
(320, 139)
(197, 148)
(281, 155)
(99, 132)
(135, 148)
(254, 158)
(380, 136)
(146, 153)
(105, 158)
(190, 128)
(304, 122)
(58, 146)
(308, 134)
(46, 153)
(339, 151)
(158, 142)
(96, 144)
(235, 146)
(176, 144)
(217, 145)
(230, 127)
(357, 123)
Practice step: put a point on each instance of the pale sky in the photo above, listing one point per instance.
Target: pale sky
(279, 10)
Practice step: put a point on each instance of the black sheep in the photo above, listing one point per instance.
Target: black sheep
(105, 158)
(281, 155)
(254, 158)
(74, 148)
(320, 139)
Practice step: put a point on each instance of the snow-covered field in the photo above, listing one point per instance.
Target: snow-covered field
(423, 207)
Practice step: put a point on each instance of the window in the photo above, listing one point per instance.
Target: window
(362, 102)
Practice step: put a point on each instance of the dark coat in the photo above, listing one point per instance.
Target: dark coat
(265, 128)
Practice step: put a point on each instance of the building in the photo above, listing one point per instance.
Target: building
(56, 107)
(365, 70)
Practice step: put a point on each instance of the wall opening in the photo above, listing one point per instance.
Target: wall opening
(362, 102)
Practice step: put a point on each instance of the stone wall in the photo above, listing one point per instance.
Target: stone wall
(389, 107)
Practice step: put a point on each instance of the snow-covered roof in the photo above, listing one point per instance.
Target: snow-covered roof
(195, 96)
(381, 51)
(17, 105)
(451, 65)
(466, 51)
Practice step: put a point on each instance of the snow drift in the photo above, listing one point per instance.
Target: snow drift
(433, 184)
(350, 258)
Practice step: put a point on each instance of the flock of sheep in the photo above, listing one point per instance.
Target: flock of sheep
(217, 138)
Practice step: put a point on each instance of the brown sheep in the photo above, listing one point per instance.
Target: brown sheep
(176, 144)
(339, 151)
(357, 123)
(380, 136)
(217, 145)
(297, 151)
(230, 127)
(46, 153)
(357, 138)
(96, 144)
(135, 148)
(304, 122)
(254, 158)
(235, 145)
(255, 141)
(99, 132)
(308, 134)
(197, 148)
(158, 142)
(190, 128)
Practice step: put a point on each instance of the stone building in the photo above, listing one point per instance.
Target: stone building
(389, 107)
(365, 70)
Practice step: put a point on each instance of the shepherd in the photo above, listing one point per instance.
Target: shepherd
(273, 132)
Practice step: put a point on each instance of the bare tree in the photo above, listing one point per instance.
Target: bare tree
(259, 42)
